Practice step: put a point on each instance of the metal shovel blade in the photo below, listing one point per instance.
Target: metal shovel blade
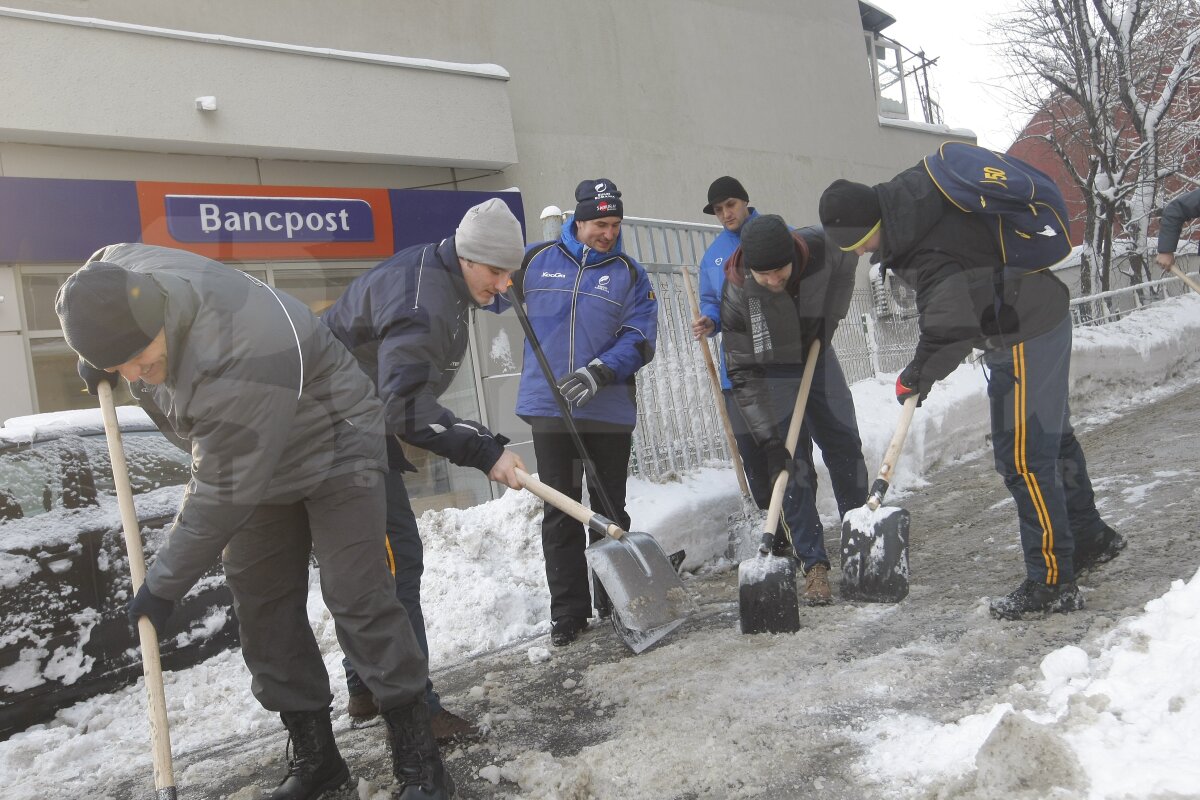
(637, 641)
(875, 555)
(767, 601)
(641, 583)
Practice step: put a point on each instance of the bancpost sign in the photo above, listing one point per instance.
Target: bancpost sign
(49, 220)
(267, 222)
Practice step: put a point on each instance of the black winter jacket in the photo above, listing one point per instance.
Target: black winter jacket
(406, 321)
(965, 297)
(761, 329)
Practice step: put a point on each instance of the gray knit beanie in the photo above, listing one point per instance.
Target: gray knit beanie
(490, 234)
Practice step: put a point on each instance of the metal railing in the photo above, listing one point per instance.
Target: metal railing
(679, 427)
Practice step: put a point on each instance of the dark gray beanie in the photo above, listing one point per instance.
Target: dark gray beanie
(109, 314)
(767, 243)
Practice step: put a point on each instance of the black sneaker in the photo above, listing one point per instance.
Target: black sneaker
(1107, 546)
(565, 630)
(1037, 599)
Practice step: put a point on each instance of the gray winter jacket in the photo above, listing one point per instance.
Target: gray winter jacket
(268, 402)
(1174, 216)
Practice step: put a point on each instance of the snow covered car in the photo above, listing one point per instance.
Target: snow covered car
(64, 570)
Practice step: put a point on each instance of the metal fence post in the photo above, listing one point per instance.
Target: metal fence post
(552, 222)
(868, 323)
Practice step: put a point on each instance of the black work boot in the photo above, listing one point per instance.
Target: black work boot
(315, 765)
(1107, 545)
(1037, 599)
(416, 763)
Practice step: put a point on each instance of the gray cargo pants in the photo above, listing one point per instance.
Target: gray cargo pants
(266, 565)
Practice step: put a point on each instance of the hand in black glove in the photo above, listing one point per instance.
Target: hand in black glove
(582, 385)
(778, 460)
(909, 382)
(93, 377)
(148, 604)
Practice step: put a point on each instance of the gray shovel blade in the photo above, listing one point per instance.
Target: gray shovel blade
(875, 555)
(637, 641)
(641, 583)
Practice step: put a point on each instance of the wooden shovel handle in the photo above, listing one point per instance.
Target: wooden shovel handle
(572, 508)
(892, 455)
(1184, 277)
(715, 382)
(793, 436)
(160, 734)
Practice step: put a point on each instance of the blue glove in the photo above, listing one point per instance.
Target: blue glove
(582, 385)
(148, 604)
(92, 377)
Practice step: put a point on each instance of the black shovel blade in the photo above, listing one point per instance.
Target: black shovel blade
(875, 555)
(767, 600)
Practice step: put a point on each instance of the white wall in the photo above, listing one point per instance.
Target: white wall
(660, 97)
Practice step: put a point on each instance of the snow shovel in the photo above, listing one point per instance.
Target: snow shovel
(875, 537)
(648, 598)
(1184, 277)
(767, 600)
(749, 508)
(160, 734)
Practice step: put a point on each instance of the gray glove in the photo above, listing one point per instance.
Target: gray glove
(582, 385)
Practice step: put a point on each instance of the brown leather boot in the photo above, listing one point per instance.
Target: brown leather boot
(449, 727)
(816, 586)
(362, 707)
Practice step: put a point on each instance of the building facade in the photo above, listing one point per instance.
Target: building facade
(135, 119)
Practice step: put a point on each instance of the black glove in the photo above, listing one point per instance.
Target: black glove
(909, 382)
(778, 460)
(148, 604)
(582, 385)
(92, 377)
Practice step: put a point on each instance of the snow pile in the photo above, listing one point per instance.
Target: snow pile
(1120, 725)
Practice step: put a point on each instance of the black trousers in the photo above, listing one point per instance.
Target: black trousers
(560, 467)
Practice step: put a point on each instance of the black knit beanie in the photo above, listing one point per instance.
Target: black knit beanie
(767, 243)
(722, 189)
(109, 314)
(597, 198)
(850, 213)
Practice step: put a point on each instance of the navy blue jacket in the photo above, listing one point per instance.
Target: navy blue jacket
(583, 304)
(406, 321)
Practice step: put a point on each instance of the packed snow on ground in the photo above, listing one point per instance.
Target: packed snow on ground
(1126, 719)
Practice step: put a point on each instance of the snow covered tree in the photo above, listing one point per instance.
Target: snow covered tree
(1115, 90)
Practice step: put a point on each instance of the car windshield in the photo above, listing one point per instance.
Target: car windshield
(71, 471)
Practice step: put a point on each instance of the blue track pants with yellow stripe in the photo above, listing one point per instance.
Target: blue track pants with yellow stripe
(1037, 453)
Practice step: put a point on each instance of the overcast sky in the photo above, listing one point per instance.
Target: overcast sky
(960, 34)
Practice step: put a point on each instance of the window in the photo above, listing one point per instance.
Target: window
(317, 287)
(887, 70)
